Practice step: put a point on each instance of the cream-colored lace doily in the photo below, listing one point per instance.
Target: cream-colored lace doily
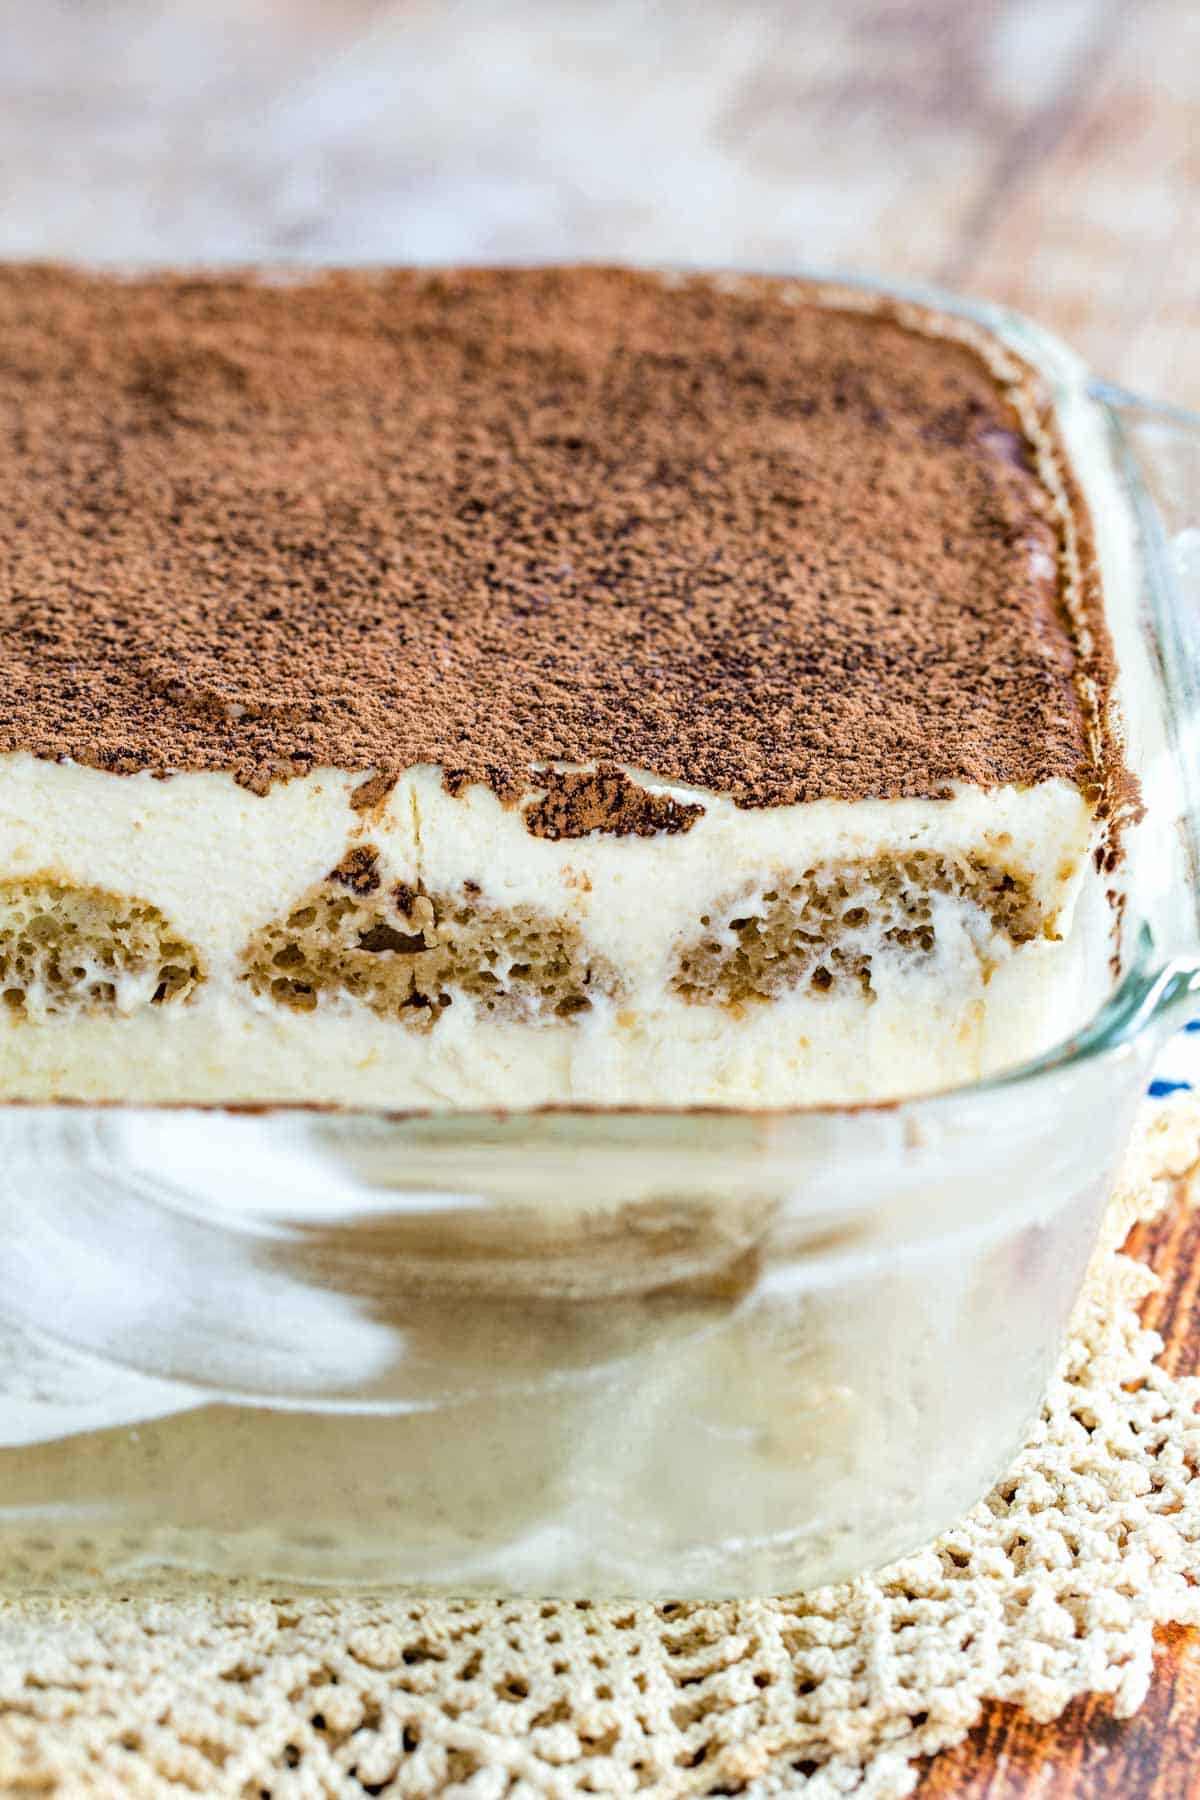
(1049, 1589)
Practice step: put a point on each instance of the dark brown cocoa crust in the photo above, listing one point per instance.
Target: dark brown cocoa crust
(371, 793)
(358, 869)
(1108, 781)
(495, 519)
(576, 803)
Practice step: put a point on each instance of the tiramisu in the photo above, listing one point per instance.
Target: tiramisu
(511, 687)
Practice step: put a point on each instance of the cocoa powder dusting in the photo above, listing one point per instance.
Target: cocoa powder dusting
(371, 793)
(576, 803)
(489, 520)
(358, 869)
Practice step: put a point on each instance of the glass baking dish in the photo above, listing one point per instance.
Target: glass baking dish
(590, 1353)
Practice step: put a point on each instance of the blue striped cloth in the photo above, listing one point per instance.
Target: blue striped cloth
(1178, 1067)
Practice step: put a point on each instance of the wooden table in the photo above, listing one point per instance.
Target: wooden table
(1087, 1754)
(1045, 153)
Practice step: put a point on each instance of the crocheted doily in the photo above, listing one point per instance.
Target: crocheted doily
(1050, 1589)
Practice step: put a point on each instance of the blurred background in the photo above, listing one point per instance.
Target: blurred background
(1043, 152)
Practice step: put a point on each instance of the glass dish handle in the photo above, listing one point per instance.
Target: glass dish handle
(1158, 449)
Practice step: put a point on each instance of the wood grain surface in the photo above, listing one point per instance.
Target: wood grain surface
(1087, 1754)
(1044, 153)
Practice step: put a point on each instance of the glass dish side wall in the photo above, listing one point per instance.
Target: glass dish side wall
(563, 1355)
(1158, 449)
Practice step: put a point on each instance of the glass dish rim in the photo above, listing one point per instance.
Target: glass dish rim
(1155, 987)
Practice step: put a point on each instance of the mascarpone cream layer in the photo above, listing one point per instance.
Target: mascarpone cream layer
(220, 862)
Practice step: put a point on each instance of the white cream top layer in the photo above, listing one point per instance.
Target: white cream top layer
(220, 861)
